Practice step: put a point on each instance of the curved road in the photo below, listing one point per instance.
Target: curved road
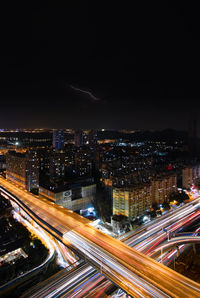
(116, 260)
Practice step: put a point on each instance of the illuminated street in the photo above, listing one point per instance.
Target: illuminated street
(116, 260)
(100, 149)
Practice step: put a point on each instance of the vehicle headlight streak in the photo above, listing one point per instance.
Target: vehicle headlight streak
(116, 252)
(155, 228)
(102, 259)
(85, 272)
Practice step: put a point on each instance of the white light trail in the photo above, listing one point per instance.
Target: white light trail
(86, 92)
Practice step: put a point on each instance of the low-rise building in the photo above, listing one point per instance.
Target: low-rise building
(75, 198)
(117, 223)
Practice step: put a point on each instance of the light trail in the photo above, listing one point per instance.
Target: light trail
(119, 262)
(42, 236)
(147, 232)
(93, 97)
(67, 284)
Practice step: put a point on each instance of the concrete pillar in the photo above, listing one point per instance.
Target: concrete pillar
(194, 248)
(178, 251)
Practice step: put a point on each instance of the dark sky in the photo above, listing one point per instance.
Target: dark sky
(99, 64)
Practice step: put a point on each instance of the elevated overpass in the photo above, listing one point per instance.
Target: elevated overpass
(173, 243)
(135, 273)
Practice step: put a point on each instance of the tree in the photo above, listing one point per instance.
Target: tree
(180, 197)
(166, 206)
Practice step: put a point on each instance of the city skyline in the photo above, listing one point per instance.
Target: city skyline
(100, 149)
(95, 65)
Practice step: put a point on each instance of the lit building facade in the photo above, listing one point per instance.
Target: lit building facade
(131, 202)
(23, 169)
(162, 186)
(187, 177)
(58, 139)
(57, 165)
(190, 175)
(92, 137)
(78, 138)
(77, 198)
(196, 173)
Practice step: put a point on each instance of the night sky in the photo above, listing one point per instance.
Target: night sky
(99, 64)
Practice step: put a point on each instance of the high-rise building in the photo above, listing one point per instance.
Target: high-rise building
(190, 175)
(162, 187)
(187, 177)
(58, 139)
(23, 169)
(92, 137)
(131, 202)
(57, 165)
(78, 138)
(196, 173)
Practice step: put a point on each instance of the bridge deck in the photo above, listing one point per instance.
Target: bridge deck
(122, 264)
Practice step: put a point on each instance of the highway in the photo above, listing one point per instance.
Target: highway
(18, 280)
(180, 241)
(155, 238)
(64, 283)
(164, 221)
(174, 242)
(120, 263)
(95, 286)
(147, 245)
